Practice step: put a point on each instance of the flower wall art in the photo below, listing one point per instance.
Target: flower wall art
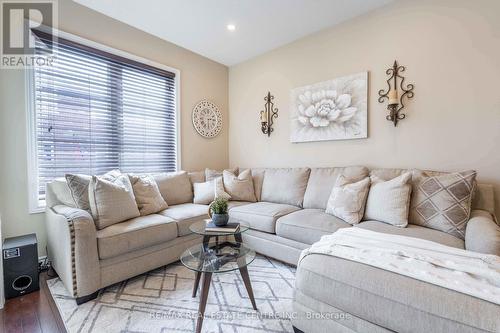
(330, 110)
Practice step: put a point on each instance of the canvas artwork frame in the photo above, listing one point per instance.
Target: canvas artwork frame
(330, 110)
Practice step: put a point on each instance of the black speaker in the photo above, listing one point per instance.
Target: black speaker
(20, 265)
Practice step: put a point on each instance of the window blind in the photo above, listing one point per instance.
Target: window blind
(96, 111)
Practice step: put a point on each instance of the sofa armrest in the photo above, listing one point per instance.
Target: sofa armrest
(72, 248)
(482, 233)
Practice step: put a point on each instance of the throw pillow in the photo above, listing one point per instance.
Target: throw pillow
(79, 187)
(112, 201)
(443, 202)
(212, 174)
(389, 201)
(348, 198)
(240, 187)
(219, 189)
(175, 187)
(204, 193)
(147, 195)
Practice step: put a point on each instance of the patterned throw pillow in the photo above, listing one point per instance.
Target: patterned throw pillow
(79, 187)
(347, 200)
(443, 202)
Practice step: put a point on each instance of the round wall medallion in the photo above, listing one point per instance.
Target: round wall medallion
(207, 119)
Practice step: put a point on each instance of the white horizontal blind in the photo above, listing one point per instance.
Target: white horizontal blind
(96, 112)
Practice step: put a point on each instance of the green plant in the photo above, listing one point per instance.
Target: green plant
(219, 206)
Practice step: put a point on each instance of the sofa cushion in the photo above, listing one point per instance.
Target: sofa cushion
(258, 179)
(232, 204)
(396, 302)
(196, 176)
(322, 180)
(175, 187)
(135, 234)
(285, 185)
(185, 215)
(260, 215)
(211, 174)
(308, 225)
(414, 231)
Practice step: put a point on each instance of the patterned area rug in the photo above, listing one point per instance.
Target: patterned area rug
(160, 301)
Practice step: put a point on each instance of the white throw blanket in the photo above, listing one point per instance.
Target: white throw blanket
(464, 271)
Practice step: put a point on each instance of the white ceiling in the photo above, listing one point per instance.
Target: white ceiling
(261, 25)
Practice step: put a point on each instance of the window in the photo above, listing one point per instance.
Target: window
(94, 111)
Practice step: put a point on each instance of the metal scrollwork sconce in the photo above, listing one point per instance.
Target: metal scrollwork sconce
(268, 114)
(395, 93)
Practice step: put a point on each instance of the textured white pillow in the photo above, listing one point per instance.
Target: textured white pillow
(112, 201)
(347, 200)
(147, 195)
(240, 187)
(205, 193)
(389, 201)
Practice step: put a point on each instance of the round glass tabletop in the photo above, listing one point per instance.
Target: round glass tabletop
(217, 258)
(200, 229)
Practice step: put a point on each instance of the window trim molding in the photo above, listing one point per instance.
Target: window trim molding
(36, 206)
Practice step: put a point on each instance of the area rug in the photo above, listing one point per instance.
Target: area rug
(160, 301)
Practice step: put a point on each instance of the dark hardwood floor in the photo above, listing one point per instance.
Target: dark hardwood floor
(35, 312)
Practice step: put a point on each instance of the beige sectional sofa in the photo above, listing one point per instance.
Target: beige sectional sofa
(289, 216)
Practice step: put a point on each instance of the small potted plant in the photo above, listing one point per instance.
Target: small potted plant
(218, 212)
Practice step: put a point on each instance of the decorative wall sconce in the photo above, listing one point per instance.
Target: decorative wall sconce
(267, 115)
(395, 93)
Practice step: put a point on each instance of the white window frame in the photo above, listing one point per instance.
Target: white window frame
(34, 204)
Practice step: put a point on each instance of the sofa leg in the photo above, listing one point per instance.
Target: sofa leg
(85, 299)
(296, 330)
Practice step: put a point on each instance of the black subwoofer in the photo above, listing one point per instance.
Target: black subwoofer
(20, 265)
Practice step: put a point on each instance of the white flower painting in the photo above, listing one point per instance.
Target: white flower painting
(330, 110)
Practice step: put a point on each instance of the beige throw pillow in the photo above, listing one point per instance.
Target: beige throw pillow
(147, 195)
(112, 201)
(443, 202)
(347, 200)
(213, 174)
(389, 201)
(205, 193)
(240, 187)
(219, 189)
(79, 187)
(175, 187)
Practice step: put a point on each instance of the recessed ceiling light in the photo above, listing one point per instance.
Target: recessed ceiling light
(231, 27)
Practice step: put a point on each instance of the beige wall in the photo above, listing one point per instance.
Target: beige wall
(452, 52)
(200, 78)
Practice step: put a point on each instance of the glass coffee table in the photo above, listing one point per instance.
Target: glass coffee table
(212, 257)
